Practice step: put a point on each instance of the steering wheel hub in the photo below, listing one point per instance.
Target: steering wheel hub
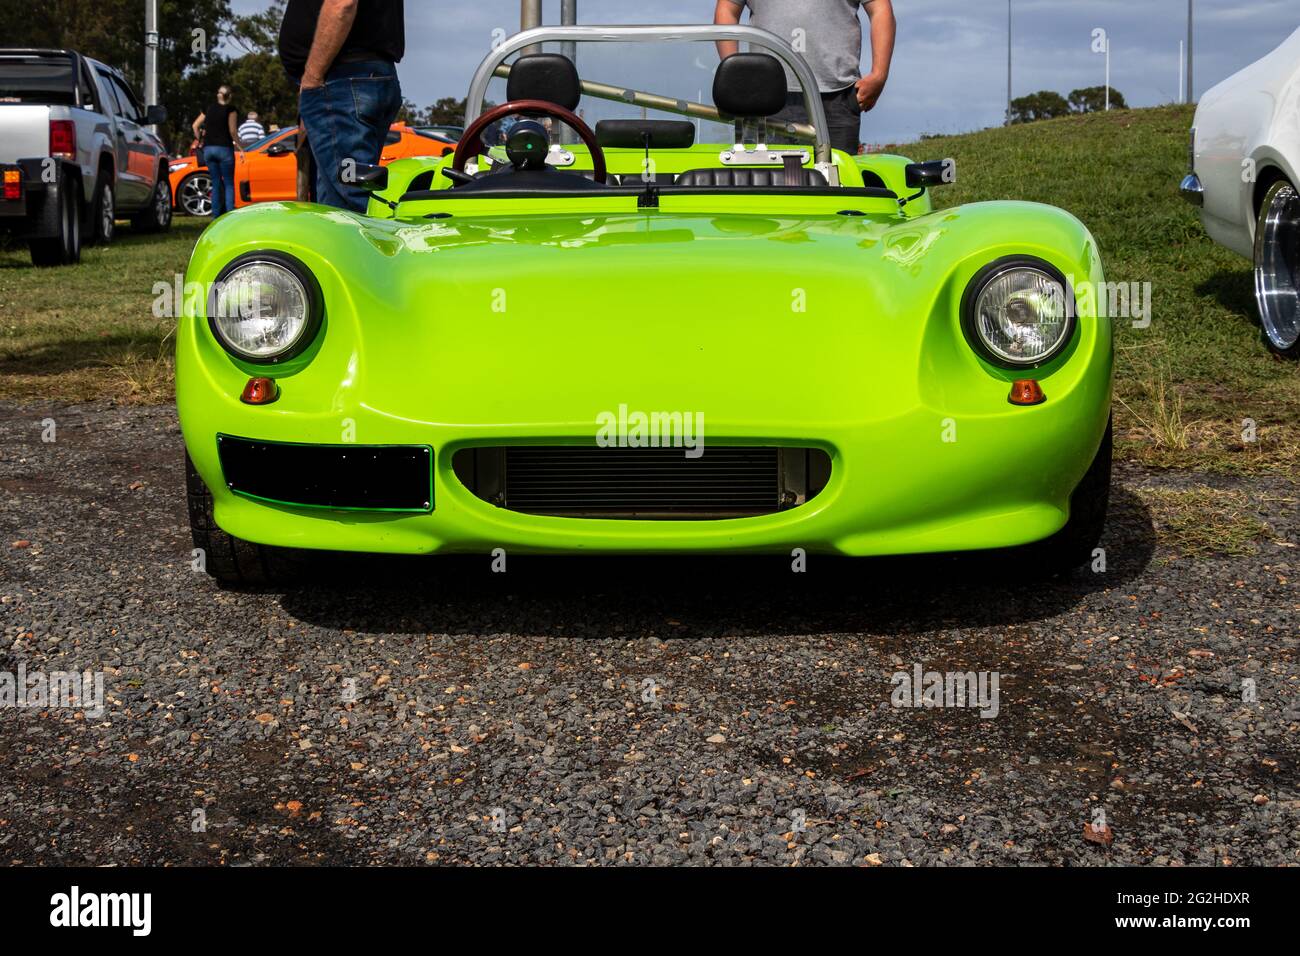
(471, 142)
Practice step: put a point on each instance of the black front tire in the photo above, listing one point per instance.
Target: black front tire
(157, 216)
(1074, 545)
(232, 562)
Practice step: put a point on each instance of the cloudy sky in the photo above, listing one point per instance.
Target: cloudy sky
(950, 66)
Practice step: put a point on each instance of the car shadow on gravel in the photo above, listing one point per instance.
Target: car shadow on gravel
(707, 596)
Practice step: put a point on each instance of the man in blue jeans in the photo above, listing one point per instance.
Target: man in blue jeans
(342, 54)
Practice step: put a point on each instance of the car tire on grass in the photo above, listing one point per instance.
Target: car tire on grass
(194, 195)
(1277, 269)
(1073, 546)
(63, 216)
(103, 212)
(157, 216)
(232, 562)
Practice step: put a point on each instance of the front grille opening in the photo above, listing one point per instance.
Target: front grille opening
(337, 477)
(587, 481)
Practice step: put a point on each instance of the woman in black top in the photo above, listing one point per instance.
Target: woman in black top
(221, 139)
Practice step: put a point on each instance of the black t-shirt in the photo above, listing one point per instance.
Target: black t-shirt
(216, 124)
(379, 30)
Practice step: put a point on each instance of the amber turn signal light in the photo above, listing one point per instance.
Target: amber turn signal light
(1025, 391)
(260, 391)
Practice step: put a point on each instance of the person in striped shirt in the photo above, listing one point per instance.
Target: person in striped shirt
(250, 130)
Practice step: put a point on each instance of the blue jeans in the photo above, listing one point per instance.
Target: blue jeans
(221, 169)
(348, 118)
(843, 117)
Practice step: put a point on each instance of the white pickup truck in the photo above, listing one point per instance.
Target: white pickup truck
(75, 154)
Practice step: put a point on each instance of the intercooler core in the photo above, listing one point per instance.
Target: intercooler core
(576, 481)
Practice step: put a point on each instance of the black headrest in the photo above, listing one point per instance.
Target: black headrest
(631, 133)
(545, 76)
(749, 85)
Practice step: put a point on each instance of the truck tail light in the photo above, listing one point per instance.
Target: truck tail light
(13, 184)
(63, 139)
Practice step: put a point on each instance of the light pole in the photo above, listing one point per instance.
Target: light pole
(1191, 95)
(530, 16)
(1107, 72)
(1182, 56)
(1008, 122)
(151, 55)
(1101, 44)
(569, 18)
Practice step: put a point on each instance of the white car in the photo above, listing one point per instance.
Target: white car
(1245, 161)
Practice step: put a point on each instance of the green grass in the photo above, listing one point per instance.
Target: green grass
(1202, 521)
(1184, 386)
(89, 331)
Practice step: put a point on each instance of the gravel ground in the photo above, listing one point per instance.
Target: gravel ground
(628, 711)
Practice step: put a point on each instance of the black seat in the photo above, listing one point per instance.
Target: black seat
(630, 179)
(754, 176)
(545, 76)
(751, 86)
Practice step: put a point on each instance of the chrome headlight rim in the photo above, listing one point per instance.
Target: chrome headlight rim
(993, 272)
(315, 305)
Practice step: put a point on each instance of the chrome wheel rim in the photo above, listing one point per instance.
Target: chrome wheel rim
(1277, 267)
(106, 213)
(196, 196)
(162, 203)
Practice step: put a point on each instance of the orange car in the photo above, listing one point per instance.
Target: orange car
(267, 170)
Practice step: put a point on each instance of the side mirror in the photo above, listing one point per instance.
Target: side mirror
(155, 116)
(939, 172)
(279, 149)
(363, 175)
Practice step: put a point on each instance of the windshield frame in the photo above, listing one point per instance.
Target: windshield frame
(648, 33)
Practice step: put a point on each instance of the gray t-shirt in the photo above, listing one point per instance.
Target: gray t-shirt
(826, 32)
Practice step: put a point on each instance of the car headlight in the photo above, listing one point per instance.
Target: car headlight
(177, 167)
(265, 307)
(1019, 312)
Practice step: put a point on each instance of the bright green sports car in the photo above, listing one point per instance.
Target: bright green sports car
(620, 321)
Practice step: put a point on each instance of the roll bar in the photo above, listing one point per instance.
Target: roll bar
(647, 34)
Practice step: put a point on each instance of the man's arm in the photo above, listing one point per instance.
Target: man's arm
(727, 13)
(332, 28)
(883, 29)
(234, 132)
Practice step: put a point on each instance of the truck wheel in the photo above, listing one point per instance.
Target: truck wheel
(103, 212)
(157, 216)
(1073, 546)
(229, 560)
(194, 195)
(62, 218)
(1277, 269)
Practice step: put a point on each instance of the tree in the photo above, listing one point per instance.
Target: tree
(410, 114)
(1092, 99)
(448, 111)
(1042, 105)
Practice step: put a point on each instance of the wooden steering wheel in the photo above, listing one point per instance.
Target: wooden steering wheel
(471, 141)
